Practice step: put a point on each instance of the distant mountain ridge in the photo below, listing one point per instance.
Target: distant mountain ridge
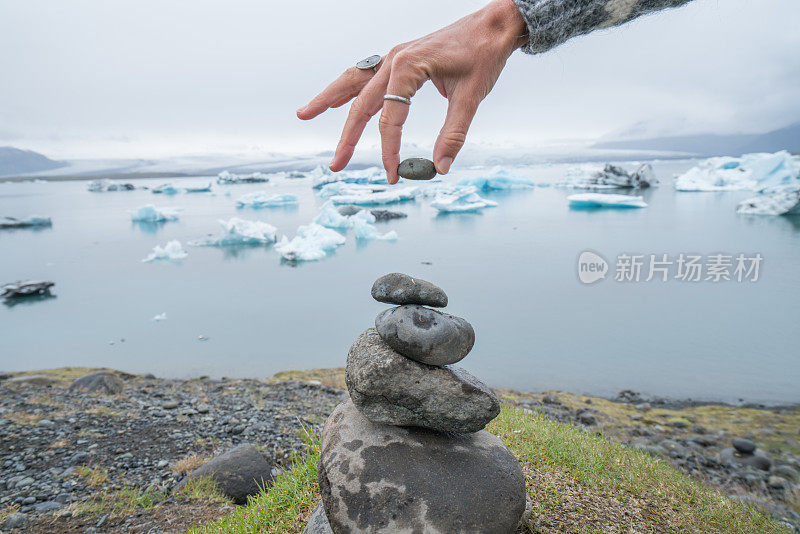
(787, 138)
(14, 161)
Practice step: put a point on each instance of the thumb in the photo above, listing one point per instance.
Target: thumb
(460, 112)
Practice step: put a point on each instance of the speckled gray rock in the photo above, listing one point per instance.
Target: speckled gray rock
(399, 288)
(377, 478)
(757, 460)
(391, 389)
(318, 522)
(425, 335)
(102, 381)
(239, 473)
(416, 169)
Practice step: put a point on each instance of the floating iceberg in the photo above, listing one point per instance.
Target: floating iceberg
(377, 197)
(366, 231)
(28, 288)
(322, 176)
(29, 222)
(102, 186)
(151, 214)
(330, 217)
(462, 199)
(605, 200)
(160, 317)
(499, 179)
(262, 199)
(165, 189)
(754, 172)
(171, 251)
(312, 242)
(229, 178)
(198, 189)
(775, 203)
(241, 232)
(608, 177)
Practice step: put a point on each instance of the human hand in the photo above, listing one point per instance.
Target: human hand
(462, 60)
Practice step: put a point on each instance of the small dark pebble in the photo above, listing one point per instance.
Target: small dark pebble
(416, 169)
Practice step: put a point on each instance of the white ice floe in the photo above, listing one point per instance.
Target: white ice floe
(165, 189)
(370, 196)
(28, 222)
(365, 230)
(102, 186)
(498, 179)
(160, 317)
(171, 251)
(775, 203)
(605, 200)
(753, 172)
(151, 214)
(229, 178)
(198, 188)
(312, 242)
(262, 199)
(237, 232)
(592, 176)
(322, 176)
(330, 217)
(462, 199)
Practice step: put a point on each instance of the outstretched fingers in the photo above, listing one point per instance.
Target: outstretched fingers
(460, 111)
(339, 92)
(364, 107)
(405, 79)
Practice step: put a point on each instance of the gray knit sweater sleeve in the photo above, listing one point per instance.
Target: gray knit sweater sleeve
(552, 22)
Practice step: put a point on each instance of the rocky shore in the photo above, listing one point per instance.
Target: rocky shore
(98, 461)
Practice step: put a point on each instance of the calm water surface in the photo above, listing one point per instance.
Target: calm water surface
(511, 271)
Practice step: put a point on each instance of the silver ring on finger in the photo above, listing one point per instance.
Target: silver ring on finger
(398, 98)
(369, 63)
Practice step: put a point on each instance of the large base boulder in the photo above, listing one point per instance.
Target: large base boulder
(378, 478)
(394, 390)
(239, 473)
(103, 382)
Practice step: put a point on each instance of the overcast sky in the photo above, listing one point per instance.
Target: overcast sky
(153, 77)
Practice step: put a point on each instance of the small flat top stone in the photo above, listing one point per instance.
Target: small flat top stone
(416, 169)
(399, 288)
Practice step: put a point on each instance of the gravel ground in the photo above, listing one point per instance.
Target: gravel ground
(61, 449)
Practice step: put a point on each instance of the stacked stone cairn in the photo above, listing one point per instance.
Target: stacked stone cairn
(407, 452)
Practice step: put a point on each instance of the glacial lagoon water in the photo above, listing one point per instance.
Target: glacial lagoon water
(510, 270)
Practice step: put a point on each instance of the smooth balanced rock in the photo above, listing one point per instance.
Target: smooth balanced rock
(239, 473)
(398, 288)
(416, 169)
(318, 522)
(103, 381)
(391, 389)
(378, 478)
(425, 335)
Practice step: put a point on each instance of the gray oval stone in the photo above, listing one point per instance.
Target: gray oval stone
(391, 389)
(744, 446)
(425, 335)
(399, 288)
(378, 478)
(416, 169)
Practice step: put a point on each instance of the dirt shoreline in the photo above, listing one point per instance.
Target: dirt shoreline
(67, 455)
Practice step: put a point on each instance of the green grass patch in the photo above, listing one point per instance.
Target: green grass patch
(119, 502)
(286, 504)
(202, 489)
(578, 482)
